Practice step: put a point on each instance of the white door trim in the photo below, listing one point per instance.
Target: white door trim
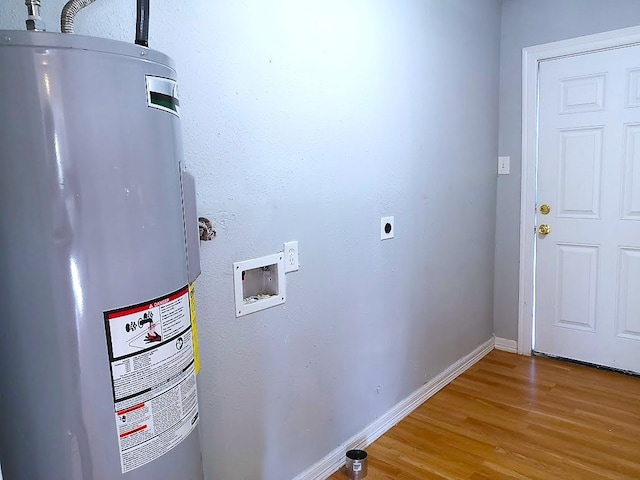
(531, 58)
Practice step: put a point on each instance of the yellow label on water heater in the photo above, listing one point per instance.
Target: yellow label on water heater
(194, 327)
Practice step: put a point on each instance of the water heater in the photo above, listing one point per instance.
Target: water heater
(99, 251)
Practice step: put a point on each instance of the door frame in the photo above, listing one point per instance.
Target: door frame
(531, 58)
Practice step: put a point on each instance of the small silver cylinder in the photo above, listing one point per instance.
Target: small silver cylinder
(34, 21)
(356, 464)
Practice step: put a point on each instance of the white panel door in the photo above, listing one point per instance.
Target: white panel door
(587, 289)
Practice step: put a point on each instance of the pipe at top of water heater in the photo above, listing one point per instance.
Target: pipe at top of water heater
(69, 12)
(34, 21)
(142, 23)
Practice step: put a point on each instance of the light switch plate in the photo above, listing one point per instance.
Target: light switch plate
(503, 165)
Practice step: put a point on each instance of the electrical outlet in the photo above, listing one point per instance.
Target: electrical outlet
(291, 256)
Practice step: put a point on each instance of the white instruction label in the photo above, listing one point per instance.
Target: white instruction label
(153, 374)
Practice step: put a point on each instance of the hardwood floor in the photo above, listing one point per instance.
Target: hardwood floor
(515, 417)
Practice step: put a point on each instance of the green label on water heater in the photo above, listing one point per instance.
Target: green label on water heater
(162, 93)
(166, 101)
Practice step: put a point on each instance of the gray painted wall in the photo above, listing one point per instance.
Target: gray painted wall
(526, 23)
(310, 121)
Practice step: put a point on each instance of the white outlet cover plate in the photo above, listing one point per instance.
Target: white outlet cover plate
(383, 224)
(291, 263)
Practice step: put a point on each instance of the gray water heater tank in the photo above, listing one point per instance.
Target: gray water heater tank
(98, 254)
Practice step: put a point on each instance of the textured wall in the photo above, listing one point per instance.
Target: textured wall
(309, 121)
(526, 23)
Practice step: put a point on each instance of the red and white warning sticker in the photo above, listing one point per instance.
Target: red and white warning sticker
(153, 376)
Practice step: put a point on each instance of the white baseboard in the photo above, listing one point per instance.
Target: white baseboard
(334, 460)
(506, 345)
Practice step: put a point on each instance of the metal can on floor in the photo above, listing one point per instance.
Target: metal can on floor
(356, 464)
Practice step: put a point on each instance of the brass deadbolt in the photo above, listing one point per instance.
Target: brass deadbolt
(545, 209)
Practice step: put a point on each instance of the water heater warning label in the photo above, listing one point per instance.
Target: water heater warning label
(151, 349)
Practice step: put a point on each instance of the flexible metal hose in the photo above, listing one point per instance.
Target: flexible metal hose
(69, 11)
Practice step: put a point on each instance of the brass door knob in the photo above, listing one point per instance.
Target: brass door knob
(544, 229)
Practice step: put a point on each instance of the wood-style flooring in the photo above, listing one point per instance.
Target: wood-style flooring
(516, 417)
